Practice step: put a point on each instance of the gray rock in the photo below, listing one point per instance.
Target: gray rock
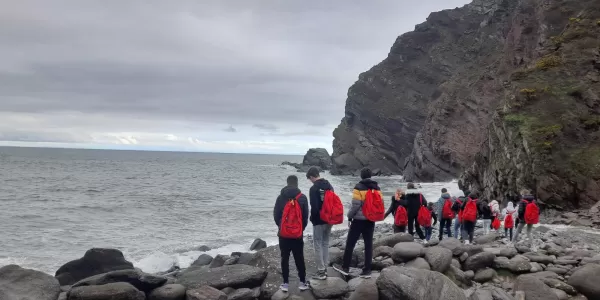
(582, 280)
(17, 283)
(501, 263)
(385, 251)
(541, 275)
(228, 290)
(168, 292)
(486, 239)
(533, 288)
(490, 293)
(61, 296)
(241, 294)
(469, 274)
(366, 290)
(380, 265)
(140, 280)
(355, 282)
(415, 284)
(558, 284)
(219, 261)
(245, 258)
(519, 264)
(336, 256)
(392, 240)
(205, 293)
(318, 157)
(566, 262)
(258, 244)
(538, 258)
(112, 291)
(235, 276)
(329, 288)
(418, 263)
(557, 270)
(470, 250)
(407, 251)
(280, 295)
(509, 252)
(202, 260)
(450, 243)
(463, 257)
(203, 248)
(522, 248)
(231, 261)
(535, 267)
(560, 294)
(458, 277)
(479, 261)
(485, 275)
(439, 258)
(95, 261)
(456, 263)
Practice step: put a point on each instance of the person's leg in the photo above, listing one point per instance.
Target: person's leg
(511, 233)
(442, 226)
(367, 233)
(428, 232)
(448, 225)
(529, 230)
(411, 222)
(505, 232)
(471, 231)
(418, 230)
(456, 227)
(402, 229)
(396, 228)
(486, 226)
(325, 245)
(317, 245)
(298, 252)
(353, 235)
(284, 247)
(519, 228)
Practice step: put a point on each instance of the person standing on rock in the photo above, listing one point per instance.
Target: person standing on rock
(509, 213)
(495, 208)
(469, 216)
(458, 222)
(445, 213)
(526, 199)
(293, 245)
(397, 202)
(360, 225)
(486, 214)
(414, 200)
(321, 230)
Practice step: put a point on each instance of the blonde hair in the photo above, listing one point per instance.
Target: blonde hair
(525, 192)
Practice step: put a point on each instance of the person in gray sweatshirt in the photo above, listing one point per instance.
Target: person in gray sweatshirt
(445, 221)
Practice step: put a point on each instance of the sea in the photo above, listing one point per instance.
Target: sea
(158, 208)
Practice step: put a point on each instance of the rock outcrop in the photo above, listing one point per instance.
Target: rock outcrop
(17, 283)
(94, 261)
(314, 157)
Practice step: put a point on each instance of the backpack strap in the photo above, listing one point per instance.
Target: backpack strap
(421, 199)
(298, 196)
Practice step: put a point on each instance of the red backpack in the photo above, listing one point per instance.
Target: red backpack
(373, 207)
(401, 216)
(532, 213)
(424, 217)
(496, 224)
(332, 211)
(291, 221)
(508, 220)
(470, 211)
(447, 212)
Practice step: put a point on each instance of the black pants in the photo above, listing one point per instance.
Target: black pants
(506, 231)
(445, 224)
(469, 230)
(358, 227)
(398, 229)
(412, 224)
(296, 246)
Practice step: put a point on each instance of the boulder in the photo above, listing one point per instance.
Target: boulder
(560, 294)
(533, 288)
(408, 251)
(418, 263)
(382, 264)
(415, 284)
(168, 292)
(235, 276)
(140, 280)
(95, 261)
(509, 252)
(501, 263)
(244, 258)
(486, 239)
(242, 294)
(519, 264)
(539, 258)
(470, 250)
(385, 251)
(392, 240)
(336, 255)
(202, 260)
(459, 277)
(439, 258)
(112, 291)
(61, 296)
(258, 244)
(205, 293)
(535, 267)
(17, 283)
(366, 290)
(450, 243)
(583, 281)
(329, 288)
(218, 261)
(490, 293)
(479, 261)
(484, 275)
(317, 157)
(559, 285)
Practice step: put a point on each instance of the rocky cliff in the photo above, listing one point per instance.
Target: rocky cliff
(504, 89)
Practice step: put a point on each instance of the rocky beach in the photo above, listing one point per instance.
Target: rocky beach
(562, 262)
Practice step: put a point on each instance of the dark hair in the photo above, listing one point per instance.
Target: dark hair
(312, 172)
(410, 185)
(365, 173)
(292, 180)
(473, 195)
(444, 190)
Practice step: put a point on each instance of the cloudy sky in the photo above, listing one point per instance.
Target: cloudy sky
(230, 76)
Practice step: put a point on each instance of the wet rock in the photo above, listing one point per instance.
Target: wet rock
(407, 251)
(418, 263)
(205, 293)
(202, 260)
(581, 280)
(415, 284)
(479, 261)
(439, 258)
(484, 275)
(244, 258)
(557, 284)
(533, 288)
(366, 290)
(17, 283)
(329, 288)
(235, 276)
(317, 157)
(113, 291)
(258, 244)
(168, 292)
(218, 261)
(140, 280)
(95, 261)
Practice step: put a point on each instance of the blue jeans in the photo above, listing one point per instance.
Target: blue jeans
(428, 231)
(457, 228)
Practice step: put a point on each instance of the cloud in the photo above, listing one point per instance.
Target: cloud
(85, 72)
(230, 129)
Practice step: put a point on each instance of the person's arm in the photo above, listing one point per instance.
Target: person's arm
(434, 215)
(356, 204)
(278, 210)
(304, 206)
(315, 197)
(389, 211)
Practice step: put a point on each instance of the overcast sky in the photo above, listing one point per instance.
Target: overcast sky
(231, 76)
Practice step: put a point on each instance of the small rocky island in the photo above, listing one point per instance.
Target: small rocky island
(314, 157)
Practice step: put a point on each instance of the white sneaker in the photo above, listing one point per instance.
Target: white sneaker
(425, 242)
(467, 243)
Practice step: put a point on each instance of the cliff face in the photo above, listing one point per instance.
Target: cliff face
(480, 88)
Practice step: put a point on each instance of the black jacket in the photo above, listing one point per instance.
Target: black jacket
(316, 194)
(484, 211)
(394, 205)
(413, 204)
(287, 193)
(523, 203)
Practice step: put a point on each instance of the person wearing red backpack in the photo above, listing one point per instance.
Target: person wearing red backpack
(414, 201)
(360, 223)
(469, 217)
(529, 215)
(321, 229)
(445, 213)
(510, 215)
(291, 206)
(398, 210)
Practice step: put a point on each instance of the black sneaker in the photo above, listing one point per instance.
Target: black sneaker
(365, 274)
(343, 271)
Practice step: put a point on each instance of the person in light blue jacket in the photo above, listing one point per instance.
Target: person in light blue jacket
(445, 223)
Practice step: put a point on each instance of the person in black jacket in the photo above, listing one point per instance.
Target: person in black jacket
(321, 230)
(397, 200)
(414, 199)
(286, 245)
(468, 226)
(486, 214)
(526, 198)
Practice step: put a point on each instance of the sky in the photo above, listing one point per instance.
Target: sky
(243, 76)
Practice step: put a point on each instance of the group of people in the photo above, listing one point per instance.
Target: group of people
(410, 209)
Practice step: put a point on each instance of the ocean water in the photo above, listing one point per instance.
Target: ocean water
(156, 207)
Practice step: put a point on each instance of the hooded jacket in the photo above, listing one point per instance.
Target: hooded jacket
(287, 193)
(316, 194)
(523, 203)
(484, 210)
(412, 199)
(394, 205)
(510, 209)
(495, 208)
(358, 198)
(439, 206)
